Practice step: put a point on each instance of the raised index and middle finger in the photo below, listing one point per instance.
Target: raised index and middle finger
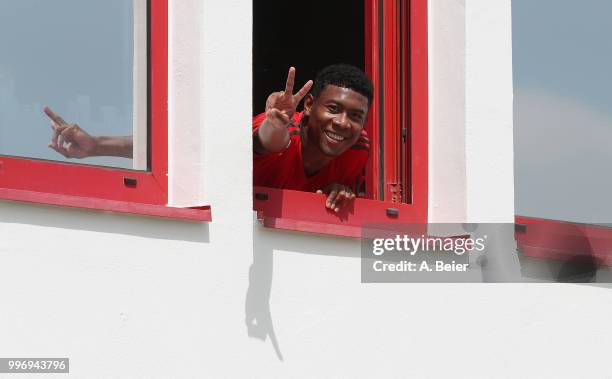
(291, 82)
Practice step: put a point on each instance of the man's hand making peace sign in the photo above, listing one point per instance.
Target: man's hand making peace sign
(285, 101)
(272, 135)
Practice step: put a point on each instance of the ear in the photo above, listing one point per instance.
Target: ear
(308, 102)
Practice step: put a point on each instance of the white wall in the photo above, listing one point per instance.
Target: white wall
(488, 109)
(470, 118)
(130, 296)
(447, 129)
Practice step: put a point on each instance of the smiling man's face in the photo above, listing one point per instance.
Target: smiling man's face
(335, 119)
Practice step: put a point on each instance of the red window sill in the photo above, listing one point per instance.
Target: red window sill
(195, 214)
(560, 240)
(306, 212)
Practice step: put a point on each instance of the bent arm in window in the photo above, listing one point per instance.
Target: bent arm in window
(73, 142)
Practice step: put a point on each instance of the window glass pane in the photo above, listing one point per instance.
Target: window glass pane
(80, 58)
(563, 109)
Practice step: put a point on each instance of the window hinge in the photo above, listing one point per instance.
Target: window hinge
(396, 192)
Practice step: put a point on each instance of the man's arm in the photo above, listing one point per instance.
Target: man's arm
(73, 142)
(272, 135)
(114, 146)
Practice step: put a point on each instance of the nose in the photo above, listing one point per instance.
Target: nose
(342, 121)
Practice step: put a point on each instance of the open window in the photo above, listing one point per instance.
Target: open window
(101, 65)
(388, 40)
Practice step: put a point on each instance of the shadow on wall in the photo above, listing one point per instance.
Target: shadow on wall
(104, 222)
(258, 316)
(564, 253)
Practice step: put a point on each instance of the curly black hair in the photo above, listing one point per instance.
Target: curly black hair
(343, 75)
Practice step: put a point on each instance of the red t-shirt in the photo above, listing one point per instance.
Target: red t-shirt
(286, 169)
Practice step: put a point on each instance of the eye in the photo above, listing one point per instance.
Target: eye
(333, 108)
(358, 117)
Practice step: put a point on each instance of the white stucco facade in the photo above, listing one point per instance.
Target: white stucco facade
(131, 296)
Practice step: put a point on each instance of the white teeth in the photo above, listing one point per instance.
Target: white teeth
(334, 136)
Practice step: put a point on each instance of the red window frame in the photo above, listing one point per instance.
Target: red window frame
(111, 189)
(398, 68)
(561, 240)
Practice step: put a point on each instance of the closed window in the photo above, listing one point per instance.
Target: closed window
(83, 105)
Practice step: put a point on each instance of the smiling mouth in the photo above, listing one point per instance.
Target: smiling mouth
(333, 136)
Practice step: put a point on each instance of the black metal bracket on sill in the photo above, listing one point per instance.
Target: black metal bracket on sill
(520, 228)
(261, 196)
(392, 212)
(130, 182)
